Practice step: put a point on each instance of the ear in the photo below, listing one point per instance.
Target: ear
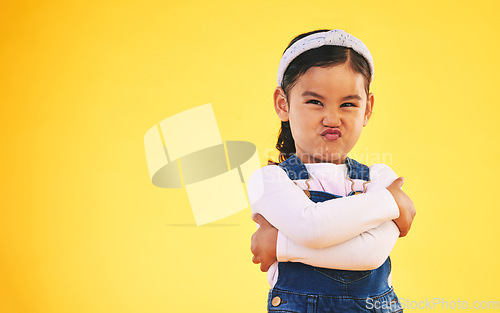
(280, 104)
(369, 108)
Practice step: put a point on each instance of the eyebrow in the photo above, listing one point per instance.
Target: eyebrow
(351, 97)
(313, 94)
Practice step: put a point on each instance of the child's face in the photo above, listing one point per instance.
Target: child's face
(325, 99)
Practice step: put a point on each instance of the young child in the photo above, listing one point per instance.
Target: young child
(327, 222)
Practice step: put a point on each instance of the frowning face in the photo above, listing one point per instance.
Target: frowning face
(327, 108)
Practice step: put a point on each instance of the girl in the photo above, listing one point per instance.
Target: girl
(327, 222)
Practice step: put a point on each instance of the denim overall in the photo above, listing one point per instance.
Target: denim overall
(303, 288)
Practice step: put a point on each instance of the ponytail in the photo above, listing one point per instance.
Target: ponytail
(285, 144)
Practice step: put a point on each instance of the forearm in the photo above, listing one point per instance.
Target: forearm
(328, 223)
(316, 225)
(363, 252)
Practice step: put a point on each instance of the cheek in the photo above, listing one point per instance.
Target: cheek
(356, 122)
(303, 118)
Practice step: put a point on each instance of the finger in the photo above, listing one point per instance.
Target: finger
(257, 218)
(262, 221)
(264, 268)
(255, 260)
(398, 182)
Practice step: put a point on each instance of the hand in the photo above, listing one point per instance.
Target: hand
(263, 245)
(406, 209)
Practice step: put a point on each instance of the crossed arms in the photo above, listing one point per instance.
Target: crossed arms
(353, 233)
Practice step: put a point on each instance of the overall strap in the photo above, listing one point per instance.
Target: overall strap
(295, 169)
(356, 170)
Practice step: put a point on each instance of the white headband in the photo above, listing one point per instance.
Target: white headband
(335, 37)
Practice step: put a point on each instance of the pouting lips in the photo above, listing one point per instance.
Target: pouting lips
(331, 134)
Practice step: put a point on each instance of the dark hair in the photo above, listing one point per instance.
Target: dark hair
(323, 56)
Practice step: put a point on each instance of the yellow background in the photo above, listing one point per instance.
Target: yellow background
(83, 229)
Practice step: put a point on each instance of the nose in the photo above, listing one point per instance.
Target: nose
(332, 118)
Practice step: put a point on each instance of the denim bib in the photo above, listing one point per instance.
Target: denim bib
(309, 289)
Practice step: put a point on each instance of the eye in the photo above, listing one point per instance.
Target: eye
(347, 104)
(315, 102)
